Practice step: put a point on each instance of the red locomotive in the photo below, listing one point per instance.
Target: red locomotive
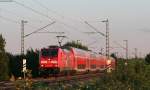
(54, 60)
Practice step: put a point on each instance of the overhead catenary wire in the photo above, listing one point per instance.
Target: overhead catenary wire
(62, 16)
(95, 29)
(16, 14)
(115, 42)
(67, 25)
(29, 8)
(53, 32)
(40, 29)
(43, 6)
(14, 21)
(58, 21)
(33, 10)
(8, 19)
(52, 11)
(12, 13)
(120, 46)
(6, 0)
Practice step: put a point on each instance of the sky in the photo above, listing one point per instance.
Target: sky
(128, 20)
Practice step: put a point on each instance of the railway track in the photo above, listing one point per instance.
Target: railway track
(7, 85)
(67, 78)
(51, 81)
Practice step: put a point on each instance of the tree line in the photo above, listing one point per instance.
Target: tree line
(12, 64)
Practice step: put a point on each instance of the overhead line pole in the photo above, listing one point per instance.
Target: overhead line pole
(126, 42)
(22, 36)
(136, 51)
(107, 37)
(60, 38)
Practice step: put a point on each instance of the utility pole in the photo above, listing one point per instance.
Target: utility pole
(126, 42)
(107, 37)
(101, 51)
(60, 38)
(22, 36)
(78, 43)
(136, 53)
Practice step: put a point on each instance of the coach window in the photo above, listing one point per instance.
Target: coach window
(93, 66)
(101, 66)
(81, 66)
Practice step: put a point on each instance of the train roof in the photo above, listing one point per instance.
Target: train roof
(53, 46)
(76, 51)
(83, 52)
(50, 47)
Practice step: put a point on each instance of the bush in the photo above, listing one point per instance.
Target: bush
(147, 58)
(4, 70)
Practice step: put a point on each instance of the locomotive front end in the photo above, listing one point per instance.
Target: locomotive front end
(49, 60)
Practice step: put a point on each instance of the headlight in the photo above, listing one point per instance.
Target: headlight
(54, 62)
(42, 65)
(43, 61)
(108, 62)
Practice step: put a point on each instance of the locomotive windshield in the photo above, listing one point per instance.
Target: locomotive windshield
(49, 52)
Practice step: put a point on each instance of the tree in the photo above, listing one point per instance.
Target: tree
(147, 58)
(114, 56)
(33, 61)
(15, 64)
(75, 44)
(4, 67)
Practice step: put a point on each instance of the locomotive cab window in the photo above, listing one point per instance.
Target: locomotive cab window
(45, 52)
(54, 52)
(102, 66)
(49, 52)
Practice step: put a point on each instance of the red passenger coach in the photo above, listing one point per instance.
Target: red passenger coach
(93, 62)
(54, 60)
(80, 59)
(102, 63)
